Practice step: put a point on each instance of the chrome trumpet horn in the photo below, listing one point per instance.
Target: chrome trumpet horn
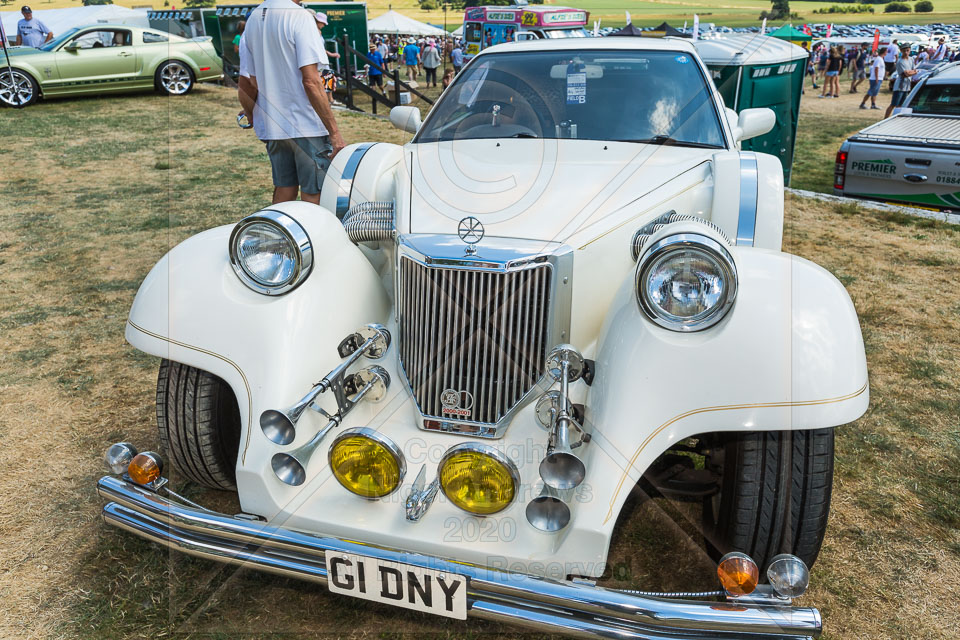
(371, 340)
(548, 512)
(561, 468)
(367, 384)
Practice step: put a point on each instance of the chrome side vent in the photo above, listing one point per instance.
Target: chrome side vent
(643, 233)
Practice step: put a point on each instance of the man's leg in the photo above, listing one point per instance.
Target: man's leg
(313, 160)
(284, 168)
(284, 194)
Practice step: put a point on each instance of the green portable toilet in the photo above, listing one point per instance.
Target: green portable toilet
(344, 18)
(759, 71)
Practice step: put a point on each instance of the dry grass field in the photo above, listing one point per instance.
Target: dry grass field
(94, 191)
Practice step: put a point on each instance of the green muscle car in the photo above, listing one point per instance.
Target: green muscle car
(103, 57)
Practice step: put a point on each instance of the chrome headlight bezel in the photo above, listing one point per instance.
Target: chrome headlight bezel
(293, 232)
(696, 242)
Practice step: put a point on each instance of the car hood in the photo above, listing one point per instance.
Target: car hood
(16, 52)
(548, 190)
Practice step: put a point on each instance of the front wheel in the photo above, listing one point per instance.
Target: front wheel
(199, 423)
(175, 78)
(747, 513)
(21, 91)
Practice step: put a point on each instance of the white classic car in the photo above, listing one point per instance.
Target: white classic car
(569, 282)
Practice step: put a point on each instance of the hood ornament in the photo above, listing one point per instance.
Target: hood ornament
(470, 231)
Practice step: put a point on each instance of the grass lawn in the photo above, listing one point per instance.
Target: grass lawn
(96, 190)
(824, 124)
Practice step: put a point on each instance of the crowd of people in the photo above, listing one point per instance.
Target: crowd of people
(896, 62)
(416, 57)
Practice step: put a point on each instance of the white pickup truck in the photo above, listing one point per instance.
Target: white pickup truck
(912, 157)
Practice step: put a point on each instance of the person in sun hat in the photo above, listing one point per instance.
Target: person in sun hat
(321, 19)
(30, 31)
(431, 60)
(411, 58)
(375, 70)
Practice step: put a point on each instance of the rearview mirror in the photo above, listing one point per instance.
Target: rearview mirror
(753, 123)
(72, 47)
(405, 118)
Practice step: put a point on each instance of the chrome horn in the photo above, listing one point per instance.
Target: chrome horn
(371, 340)
(548, 512)
(370, 384)
(561, 468)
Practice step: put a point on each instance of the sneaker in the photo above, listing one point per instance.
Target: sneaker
(863, 106)
(875, 107)
(821, 96)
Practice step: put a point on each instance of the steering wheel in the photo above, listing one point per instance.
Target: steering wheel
(523, 90)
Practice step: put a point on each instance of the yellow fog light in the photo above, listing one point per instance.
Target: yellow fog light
(478, 478)
(367, 463)
(145, 467)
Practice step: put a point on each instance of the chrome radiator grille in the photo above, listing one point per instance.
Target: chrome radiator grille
(472, 343)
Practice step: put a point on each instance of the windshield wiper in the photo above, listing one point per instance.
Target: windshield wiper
(524, 134)
(673, 142)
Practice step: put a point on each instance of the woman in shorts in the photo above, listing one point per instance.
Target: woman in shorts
(831, 86)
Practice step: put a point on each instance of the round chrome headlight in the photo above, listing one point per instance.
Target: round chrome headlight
(271, 252)
(686, 282)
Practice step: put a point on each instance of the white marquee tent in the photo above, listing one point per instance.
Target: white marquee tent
(60, 20)
(394, 23)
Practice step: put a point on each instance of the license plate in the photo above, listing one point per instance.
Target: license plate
(402, 585)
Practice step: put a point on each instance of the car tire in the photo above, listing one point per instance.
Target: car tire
(199, 423)
(174, 78)
(746, 513)
(29, 90)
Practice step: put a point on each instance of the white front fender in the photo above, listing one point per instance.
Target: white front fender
(193, 309)
(788, 356)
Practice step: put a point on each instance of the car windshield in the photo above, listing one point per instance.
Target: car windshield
(56, 42)
(657, 97)
(938, 99)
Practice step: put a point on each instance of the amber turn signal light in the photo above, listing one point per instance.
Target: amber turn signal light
(738, 573)
(145, 467)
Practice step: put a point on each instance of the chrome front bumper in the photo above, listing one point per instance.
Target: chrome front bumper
(541, 604)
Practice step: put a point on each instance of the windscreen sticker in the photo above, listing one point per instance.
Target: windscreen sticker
(682, 59)
(577, 87)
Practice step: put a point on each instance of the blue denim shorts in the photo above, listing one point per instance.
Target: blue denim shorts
(300, 162)
(898, 98)
(831, 74)
(874, 87)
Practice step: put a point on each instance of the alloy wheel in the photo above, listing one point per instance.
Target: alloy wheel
(16, 93)
(175, 78)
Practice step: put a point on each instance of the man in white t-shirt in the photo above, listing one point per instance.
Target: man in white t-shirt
(282, 95)
(940, 52)
(877, 70)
